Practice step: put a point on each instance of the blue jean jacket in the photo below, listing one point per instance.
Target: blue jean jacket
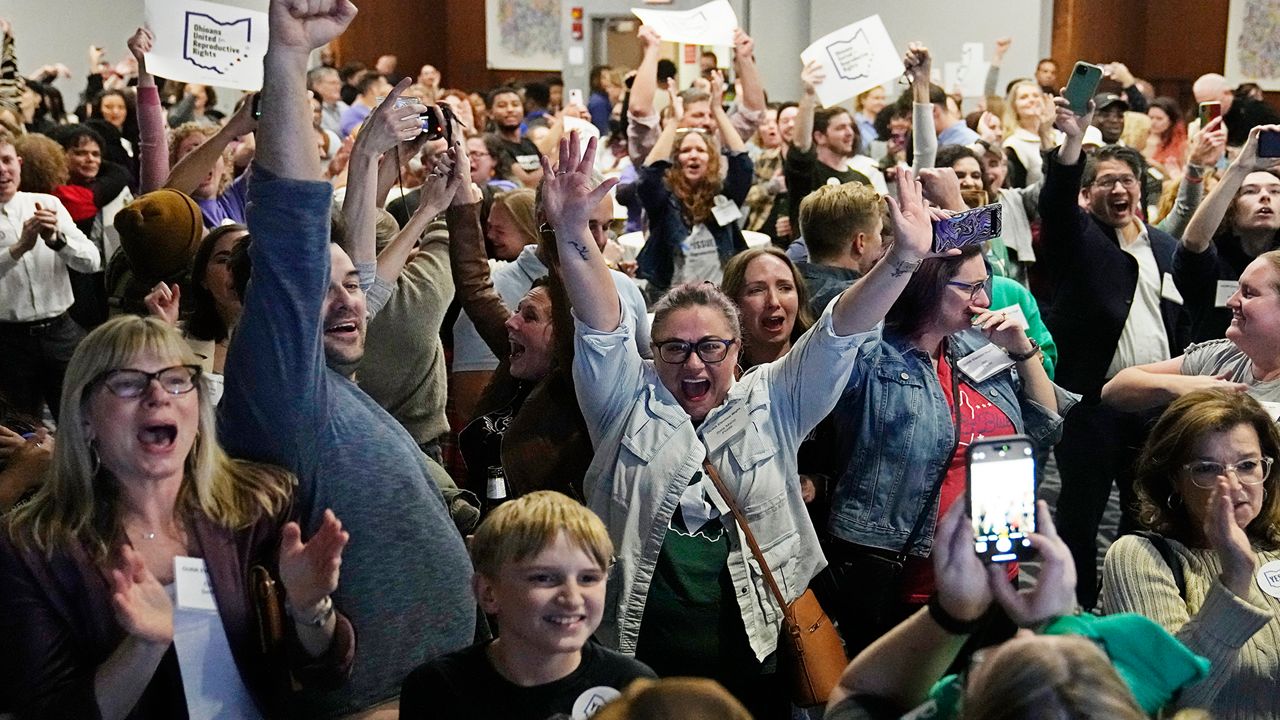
(895, 433)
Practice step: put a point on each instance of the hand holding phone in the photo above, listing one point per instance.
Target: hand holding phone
(970, 227)
(1269, 144)
(1001, 497)
(575, 97)
(1208, 112)
(1082, 86)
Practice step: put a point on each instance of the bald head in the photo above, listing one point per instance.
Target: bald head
(1213, 88)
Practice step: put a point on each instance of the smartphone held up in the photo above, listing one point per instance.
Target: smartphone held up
(1082, 86)
(1001, 497)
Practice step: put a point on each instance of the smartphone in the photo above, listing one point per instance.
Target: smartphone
(968, 228)
(1208, 112)
(1269, 144)
(257, 105)
(1082, 86)
(1001, 497)
(575, 97)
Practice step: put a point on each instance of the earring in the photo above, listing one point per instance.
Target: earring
(1170, 501)
(95, 461)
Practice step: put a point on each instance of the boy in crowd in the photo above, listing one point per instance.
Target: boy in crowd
(541, 564)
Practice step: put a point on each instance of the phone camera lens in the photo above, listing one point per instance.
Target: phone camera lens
(1081, 71)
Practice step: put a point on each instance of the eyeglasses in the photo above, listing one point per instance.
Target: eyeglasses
(1128, 182)
(129, 383)
(974, 288)
(710, 350)
(1250, 471)
(478, 153)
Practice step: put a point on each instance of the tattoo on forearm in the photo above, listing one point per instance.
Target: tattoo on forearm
(582, 249)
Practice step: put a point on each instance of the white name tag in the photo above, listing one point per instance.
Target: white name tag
(984, 363)
(1226, 288)
(725, 211)
(1168, 290)
(1269, 578)
(1014, 313)
(191, 580)
(1272, 408)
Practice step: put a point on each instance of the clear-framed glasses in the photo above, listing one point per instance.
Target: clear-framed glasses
(710, 350)
(1128, 182)
(1250, 471)
(130, 383)
(973, 288)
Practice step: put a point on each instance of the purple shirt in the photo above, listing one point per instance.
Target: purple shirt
(229, 206)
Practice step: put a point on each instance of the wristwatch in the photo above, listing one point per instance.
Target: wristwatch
(1035, 350)
(323, 613)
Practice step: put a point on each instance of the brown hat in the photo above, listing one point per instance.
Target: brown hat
(159, 233)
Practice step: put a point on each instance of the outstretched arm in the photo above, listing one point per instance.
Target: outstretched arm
(811, 77)
(1204, 223)
(646, 83)
(744, 63)
(191, 170)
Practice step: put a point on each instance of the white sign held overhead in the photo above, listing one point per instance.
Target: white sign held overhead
(710, 24)
(856, 58)
(207, 43)
(970, 74)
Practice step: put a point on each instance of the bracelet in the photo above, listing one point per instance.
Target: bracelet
(949, 622)
(1020, 357)
(323, 613)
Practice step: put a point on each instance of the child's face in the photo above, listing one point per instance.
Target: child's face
(549, 603)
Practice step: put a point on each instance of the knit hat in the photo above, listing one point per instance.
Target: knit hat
(1153, 663)
(159, 233)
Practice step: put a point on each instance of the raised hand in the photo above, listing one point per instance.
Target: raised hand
(567, 196)
(961, 579)
(1248, 157)
(243, 122)
(6, 27)
(140, 43)
(812, 76)
(1208, 145)
(942, 188)
(1228, 539)
(309, 571)
(1002, 47)
(990, 128)
(142, 607)
(10, 442)
(164, 301)
(918, 63)
(389, 125)
(304, 25)
(1071, 124)
(1055, 592)
(744, 47)
(717, 90)
(440, 188)
(912, 222)
(649, 38)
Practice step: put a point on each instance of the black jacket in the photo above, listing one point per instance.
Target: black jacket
(1093, 282)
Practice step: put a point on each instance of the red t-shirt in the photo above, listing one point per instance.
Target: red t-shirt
(979, 418)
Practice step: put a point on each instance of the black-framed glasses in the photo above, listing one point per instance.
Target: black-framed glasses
(1128, 182)
(130, 383)
(973, 288)
(1250, 471)
(710, 349)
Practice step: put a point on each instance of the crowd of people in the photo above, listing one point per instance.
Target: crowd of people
(377, 397)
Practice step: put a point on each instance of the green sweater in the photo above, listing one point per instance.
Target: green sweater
(1006, 292)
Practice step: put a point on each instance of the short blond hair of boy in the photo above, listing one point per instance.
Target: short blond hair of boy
(523, 527)
(830, 215)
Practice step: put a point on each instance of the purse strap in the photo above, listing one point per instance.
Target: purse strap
(746, 530)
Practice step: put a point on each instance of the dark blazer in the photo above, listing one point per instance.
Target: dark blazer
(58, 625)
(1093, 282)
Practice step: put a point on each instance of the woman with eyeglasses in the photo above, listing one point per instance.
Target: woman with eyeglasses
(152, 576)
(687, 598)
(944, 370)
(1209, 570)
(692, 207)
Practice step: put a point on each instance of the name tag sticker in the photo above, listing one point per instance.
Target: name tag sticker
(1269, 578)
(985, 363)
(191, 578)
(1272, 408)
(1168, 290)
(1226, 288)
(725, 211)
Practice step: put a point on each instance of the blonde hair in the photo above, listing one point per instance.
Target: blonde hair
(677, 698)
(79, 501)
(523, 527)
(832, 214)
(520, 205)
(179, 135)
(1137, 128)
(1009, 118)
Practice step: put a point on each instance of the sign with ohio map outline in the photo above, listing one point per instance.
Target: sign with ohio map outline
(856, 58)
(207, 43)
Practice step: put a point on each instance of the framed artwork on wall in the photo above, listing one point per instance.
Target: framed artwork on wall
(1253, 43)
(524, 35)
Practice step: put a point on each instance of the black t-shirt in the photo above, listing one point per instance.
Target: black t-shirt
(523, 153)
(805, 173)
(464, 685)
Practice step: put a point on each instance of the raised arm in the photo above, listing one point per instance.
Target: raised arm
(191, 170)
(153, 150)
(924, 135)
(437, 192)
(744, 64)
(666, 144)
(1206, 149)
(568, 201)
(646, 83)
(728, 134)
(989, 87)
(1204, 223)
(810, 77)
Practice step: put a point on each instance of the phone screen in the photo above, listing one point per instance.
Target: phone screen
(1002, 498)
(1269, 144)
(1208, 112)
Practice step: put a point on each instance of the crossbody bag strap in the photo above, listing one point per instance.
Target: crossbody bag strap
(746, 530)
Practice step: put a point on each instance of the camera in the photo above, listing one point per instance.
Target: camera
(431, 121)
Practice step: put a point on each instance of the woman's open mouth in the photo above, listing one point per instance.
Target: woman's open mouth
(695, 390)
(160, 435)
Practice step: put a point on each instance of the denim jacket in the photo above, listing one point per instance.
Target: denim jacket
(647, 450)
(895, 433)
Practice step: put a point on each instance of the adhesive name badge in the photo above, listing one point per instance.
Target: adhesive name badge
(1226, 288)
(1014, 313)
(725, 211)
(1269, 578)
(191, 578)
(1272, 408)
(984, 363)
(592, 700)
(1168, 290)
(528, 162)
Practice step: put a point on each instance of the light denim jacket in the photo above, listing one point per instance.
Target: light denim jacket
(647, 450)
(895, 432)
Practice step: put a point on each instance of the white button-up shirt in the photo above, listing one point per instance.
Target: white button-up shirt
(36, 285)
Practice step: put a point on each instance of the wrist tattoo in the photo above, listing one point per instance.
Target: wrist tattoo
(582, 249)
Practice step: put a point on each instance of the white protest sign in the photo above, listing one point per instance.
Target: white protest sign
(206, 43)
(970, 74)
(710, 24)
(856, 58)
